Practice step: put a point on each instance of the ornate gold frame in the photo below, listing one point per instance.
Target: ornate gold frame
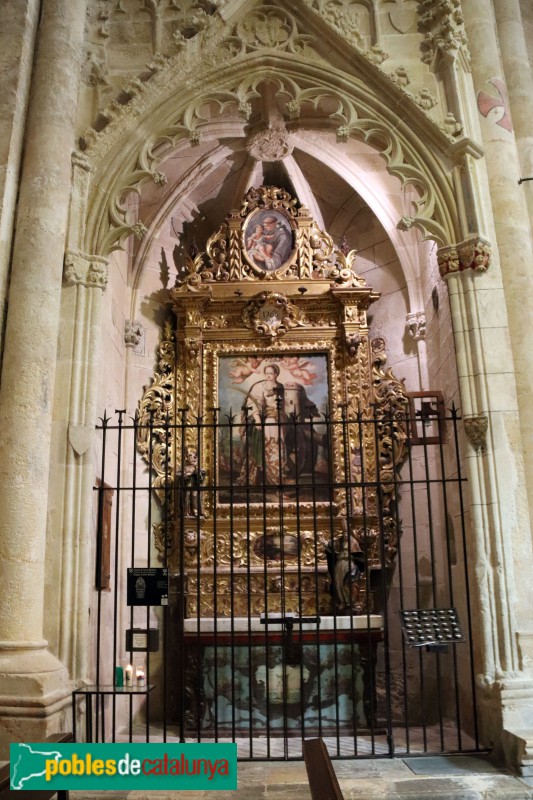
(315, 303)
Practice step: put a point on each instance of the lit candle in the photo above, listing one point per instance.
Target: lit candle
(139, 674)
(128, 675)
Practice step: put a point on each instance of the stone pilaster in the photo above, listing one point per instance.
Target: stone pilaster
(499, 538)
(33, 683)
(85, 279)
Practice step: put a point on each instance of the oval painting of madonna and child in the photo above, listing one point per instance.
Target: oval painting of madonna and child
(268, 239)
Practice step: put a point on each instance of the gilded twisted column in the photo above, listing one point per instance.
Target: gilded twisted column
(33, 683)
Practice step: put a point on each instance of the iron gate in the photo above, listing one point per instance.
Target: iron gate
(290, 572)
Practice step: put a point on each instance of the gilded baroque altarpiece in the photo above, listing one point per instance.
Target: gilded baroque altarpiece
(272, 426)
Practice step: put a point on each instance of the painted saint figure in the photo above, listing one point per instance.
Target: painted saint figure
(257, 245)
(278, 441)
(270, 245)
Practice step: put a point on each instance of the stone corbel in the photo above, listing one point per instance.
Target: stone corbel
(80, 437)
(416, 325)
(473, 253)
(476, 427)
(85, 270)
(133, 332)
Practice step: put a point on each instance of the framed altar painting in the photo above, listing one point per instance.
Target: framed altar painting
(268, 240)
(273, 434)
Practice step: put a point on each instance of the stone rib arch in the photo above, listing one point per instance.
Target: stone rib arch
(359, 110)
(378, 199)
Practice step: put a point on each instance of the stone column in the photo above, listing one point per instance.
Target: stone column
(86, 279)
(510, 212)
(17, 44)
(33, 683)
(519, 82)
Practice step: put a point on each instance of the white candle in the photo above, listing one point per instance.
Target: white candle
(139, 674)
(128, 676)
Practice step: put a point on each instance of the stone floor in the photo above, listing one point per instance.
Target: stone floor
(437, 777)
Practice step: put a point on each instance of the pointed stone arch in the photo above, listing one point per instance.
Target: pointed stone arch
(168, 110)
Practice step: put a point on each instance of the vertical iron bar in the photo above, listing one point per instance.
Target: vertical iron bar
(101, 496)
(411, 421)
(398, 484)
(115, 588)
(301, 609)
(433, 570)
(233, 479)
(248, 434)
(194, 498)
(349, 486)
(467, 578)
(450, 583)
(167, 499)
(184, 650)
(262, 435)
(379, 498)
(216, 434)
(368, 691)
(148, 563)
(414, 484)
(316, 555)
(133, 523)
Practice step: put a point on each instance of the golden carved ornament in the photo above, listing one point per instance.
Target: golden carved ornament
(272, 314)
(269, 238)
(228, 311)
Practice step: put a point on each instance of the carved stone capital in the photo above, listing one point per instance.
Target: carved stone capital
(81, 269)
(133, 332)
(442, 23)
(474, 253)
(416, 325)
(476, 427)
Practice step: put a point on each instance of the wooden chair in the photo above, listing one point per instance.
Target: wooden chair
(322, 779)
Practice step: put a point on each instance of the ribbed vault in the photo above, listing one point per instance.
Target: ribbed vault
(175, 150)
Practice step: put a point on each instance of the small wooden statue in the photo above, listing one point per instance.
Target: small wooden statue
(190, 481)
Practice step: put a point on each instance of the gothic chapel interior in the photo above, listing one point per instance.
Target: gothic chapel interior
(266, 280)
